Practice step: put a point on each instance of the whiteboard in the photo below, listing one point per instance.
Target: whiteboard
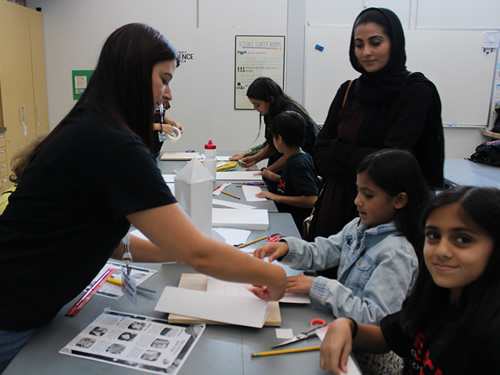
(453, 59)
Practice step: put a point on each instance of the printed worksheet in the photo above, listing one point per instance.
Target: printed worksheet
(135, 341)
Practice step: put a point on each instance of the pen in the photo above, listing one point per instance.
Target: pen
(252, 242)
(252, 184)
(285, 351)
(231, 195)
(114, 281)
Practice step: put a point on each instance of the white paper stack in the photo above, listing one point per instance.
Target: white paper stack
(257, 219)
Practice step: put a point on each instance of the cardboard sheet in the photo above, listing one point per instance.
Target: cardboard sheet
(179, 155)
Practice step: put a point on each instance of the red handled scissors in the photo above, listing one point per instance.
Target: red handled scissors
(275, 237)
(313, 327)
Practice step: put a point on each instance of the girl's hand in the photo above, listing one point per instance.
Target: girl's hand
(299, 284)
(248, 161)
(238, 156)
(336, 346)
(270, 175)
(273, 250)
(265, 194)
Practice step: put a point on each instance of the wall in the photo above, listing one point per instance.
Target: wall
(74, 32)
(203, 88)
(425, 14)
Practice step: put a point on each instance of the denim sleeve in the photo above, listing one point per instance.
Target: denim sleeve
(321, 254)
(385, 290)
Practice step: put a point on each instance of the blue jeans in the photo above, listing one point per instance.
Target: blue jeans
(11, 343)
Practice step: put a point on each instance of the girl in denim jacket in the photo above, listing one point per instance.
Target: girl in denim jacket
(376, 253)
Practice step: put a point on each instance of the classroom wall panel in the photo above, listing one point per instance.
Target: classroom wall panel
(205, 30)
(462, 14)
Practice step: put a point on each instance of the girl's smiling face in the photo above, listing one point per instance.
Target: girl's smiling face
(372, 47)
(456, 253)
(260, 106)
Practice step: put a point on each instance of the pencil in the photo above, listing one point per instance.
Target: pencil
(114, 281)
(252, 242)
(231, 195)
(285, 351)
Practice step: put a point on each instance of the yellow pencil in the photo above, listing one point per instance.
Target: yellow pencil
(285, 351)
(231, 195)
(252, 242)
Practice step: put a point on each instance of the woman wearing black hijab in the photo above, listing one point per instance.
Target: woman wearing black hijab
(385, 107)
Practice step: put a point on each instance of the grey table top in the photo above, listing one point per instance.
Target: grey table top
(222, 349)
(466, 172)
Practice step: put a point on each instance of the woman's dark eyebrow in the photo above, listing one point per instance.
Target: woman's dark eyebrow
(370, 38)
(375, 37)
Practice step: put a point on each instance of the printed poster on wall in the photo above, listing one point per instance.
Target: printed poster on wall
(257, 56)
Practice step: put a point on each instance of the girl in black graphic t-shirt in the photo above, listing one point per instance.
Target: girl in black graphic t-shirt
(450, 324)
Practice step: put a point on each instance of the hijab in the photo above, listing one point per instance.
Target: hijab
(380, 92)
(387, 82)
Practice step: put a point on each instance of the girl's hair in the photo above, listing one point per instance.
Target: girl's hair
(291, 126)
(397, 171)
(265, 89)
(120, 88)
(479, 302)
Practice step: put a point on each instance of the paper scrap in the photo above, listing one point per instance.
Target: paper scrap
(284, 333)
(233, 236)
(220, 188)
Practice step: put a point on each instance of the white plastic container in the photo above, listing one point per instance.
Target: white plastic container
(210, 158)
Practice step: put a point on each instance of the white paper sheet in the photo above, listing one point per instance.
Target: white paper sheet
(233, 236)
(239, 206)
(239, 176)
(250, 192)
(237, 289)
(169, 177)
(244, 311)
(257, 219)
(352, 365)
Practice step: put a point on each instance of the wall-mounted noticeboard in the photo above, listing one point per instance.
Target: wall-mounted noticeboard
(80, 80)
(257, 56)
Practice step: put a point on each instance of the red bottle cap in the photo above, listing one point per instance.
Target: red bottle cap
(210, 146)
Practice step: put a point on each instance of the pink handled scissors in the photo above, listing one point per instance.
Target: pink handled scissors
(275, 237)
(313, 327)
